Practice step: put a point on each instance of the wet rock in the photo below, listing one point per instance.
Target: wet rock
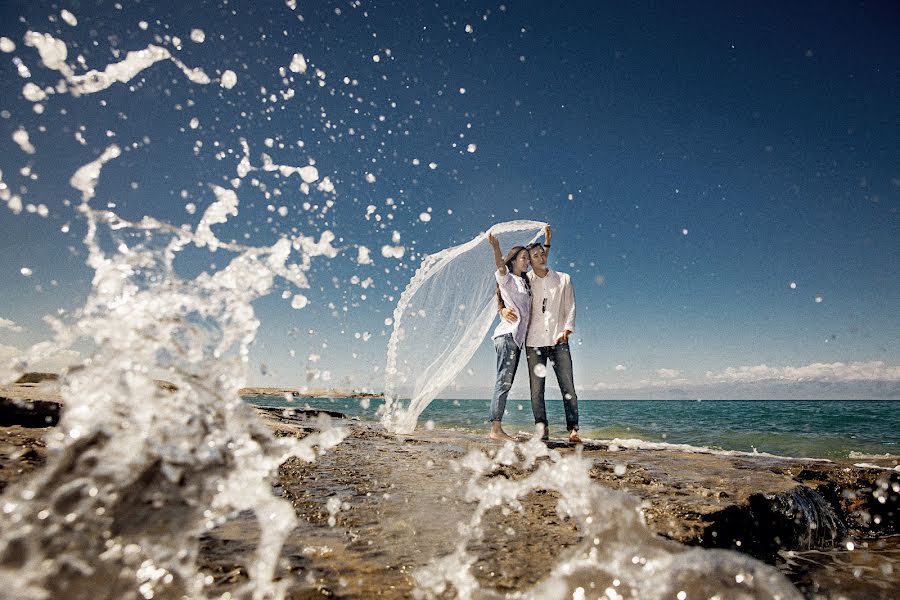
(28, 413)
(36, 377)
(755, 505)
(799, 519)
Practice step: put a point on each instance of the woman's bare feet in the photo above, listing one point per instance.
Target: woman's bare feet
(574, 438)
(497, 433)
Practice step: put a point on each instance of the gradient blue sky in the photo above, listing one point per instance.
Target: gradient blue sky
(693, 159)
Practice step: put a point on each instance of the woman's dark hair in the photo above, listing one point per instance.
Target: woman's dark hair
(510, 257)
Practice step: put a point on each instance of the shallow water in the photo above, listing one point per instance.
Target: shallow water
(800, 428)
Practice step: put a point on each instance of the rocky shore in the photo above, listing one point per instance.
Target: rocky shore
(378, 507)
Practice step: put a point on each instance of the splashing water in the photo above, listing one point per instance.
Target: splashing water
(618, 557)
(138, 470)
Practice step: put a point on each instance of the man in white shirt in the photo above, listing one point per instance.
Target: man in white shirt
(552, 322)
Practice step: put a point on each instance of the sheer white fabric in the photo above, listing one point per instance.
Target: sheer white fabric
(441, 318)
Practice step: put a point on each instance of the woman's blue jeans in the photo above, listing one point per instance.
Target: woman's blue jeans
(562, 365)
(507, 361)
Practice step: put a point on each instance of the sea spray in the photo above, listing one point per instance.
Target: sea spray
(138, 470)
(618, 556)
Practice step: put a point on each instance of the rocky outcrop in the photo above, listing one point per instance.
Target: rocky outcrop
(36, 377)
(293, 415)
(34, 400)
(29, 413)
(760, 506)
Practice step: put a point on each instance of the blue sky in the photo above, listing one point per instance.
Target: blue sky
(694, 160)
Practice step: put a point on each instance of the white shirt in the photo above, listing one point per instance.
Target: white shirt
(552, 308)
(515, 295)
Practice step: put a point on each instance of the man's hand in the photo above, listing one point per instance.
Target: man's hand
(564, 337)
(548, 234)
(509, 315)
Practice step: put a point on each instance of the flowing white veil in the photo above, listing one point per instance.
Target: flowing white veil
(441, 319)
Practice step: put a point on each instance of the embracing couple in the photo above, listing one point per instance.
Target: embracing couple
(538, 313)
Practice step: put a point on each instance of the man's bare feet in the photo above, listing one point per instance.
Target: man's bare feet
(574, 438)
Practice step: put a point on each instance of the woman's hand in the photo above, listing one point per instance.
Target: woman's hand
(492, 240)
(509, 314)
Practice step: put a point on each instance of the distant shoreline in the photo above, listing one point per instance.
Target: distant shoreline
(307, 393)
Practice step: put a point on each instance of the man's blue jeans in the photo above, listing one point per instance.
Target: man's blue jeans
(507, 362)
(562, 365)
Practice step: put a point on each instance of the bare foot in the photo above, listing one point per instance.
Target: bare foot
(573, 437)
(497, 433)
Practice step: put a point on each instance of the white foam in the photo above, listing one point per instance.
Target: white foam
(7, 45)
(86, 177)
(895, 468)
(198, 36)
(195, 74)
(864, 456)
(20, 137)
(53, 53)
(13, 201)
(311, 247)
(298, 64)
(226, 205)
(636, 444)
(229, 79)
(325, 185)
(363, 256)
(308, 173)
(69, 18)
(121, 72)
(33, 92)
(392, 251)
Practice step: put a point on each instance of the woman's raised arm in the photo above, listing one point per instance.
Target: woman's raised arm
(498, 258)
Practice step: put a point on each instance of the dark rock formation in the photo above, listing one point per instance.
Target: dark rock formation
(36, 377)
(28, 413)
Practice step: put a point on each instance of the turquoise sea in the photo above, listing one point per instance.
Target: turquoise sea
(832, 429)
